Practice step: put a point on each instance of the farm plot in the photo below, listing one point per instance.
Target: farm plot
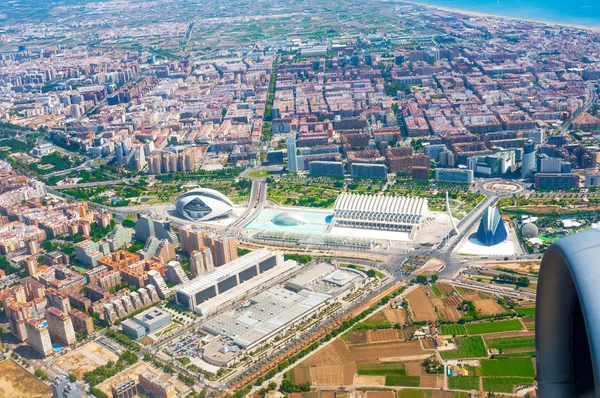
(453, 330)
(494, 327)
(464, 383)
(374, 353)
(511, 342)
(467, 347)
(445, 288)
(375, 336)
(421, 306)
(488, 307)
(395, 316)
(405, 381)
(382, 369)
(525, 311)
(447, 308)
(332, 365)
(415, 368)
(332, 375)
(504, 384)
(522, 367)
(381, 394)
(355, 337)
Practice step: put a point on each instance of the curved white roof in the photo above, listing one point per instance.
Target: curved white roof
(202, 204)
(209, 192)
(289, 218)
(384, 207)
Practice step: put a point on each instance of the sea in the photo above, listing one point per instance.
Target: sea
(569, 12)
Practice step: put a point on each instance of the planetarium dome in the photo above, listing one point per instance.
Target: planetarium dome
(287, 218)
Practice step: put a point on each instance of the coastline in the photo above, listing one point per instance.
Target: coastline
(478, 14)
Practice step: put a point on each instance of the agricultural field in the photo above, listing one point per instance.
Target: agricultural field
(395, 316)
(453, 330)
(504, 384)
(525, 311)
(406, 381)
(373, 353)
(381, 369)
(488, 306)
(494, 327)
(467, 347)
(508, 367)
(16, 382)
(464, 383)
(332, 365)
(421, 305)
(511, 342)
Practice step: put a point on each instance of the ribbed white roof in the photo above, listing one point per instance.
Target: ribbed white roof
(223, 272)
(378, 204)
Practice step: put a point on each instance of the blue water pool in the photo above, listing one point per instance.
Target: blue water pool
(316, 222)
(57, 347)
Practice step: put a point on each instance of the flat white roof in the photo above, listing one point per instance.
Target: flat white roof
(223, 272)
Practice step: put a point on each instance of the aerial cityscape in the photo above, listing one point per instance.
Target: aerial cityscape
(295, 199)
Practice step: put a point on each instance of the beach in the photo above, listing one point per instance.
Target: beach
(481, 14)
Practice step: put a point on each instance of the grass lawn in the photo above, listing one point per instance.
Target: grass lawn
(504, 384)
(467, 347)
(259, 173)
(494, 327)
(453, 330)
(406, 381)
(508, 367)
(525, 311)
(464, 383)
(436, 290)
(511, 342)
(381, 369)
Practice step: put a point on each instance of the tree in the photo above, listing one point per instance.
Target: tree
(422, 279)
(434, 278)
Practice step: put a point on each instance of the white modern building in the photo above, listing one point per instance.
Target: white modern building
(203, 204)
(380, 212)
(234, 278)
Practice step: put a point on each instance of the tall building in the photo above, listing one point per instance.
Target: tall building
(223, 250)
(39, 337)
(201, 262)
(60, 326)
(147, 227)
(528, 165)
(31, 265)
(63, 388)
(161, 286)
(82, 322)
(291, 153)
(175, 273)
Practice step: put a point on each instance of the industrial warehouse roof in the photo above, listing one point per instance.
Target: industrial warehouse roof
(266, 313)
(380, 204)
(225, 271)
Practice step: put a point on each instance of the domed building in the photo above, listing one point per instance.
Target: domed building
(491, 229)
(288, 218)
(530, 231)
(203, 204)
